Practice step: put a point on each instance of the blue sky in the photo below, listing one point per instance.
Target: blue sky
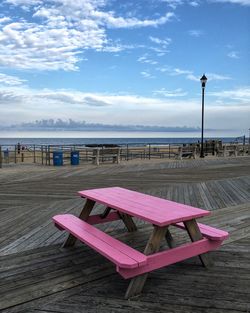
(125, 62)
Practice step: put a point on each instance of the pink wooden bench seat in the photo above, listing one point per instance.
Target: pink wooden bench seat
(208, 231)
(114, 250)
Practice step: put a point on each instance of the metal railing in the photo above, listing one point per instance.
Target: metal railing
(43, 154)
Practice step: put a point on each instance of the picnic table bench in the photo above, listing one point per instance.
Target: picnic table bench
(106, 153)
(184, 152)
(125, 204)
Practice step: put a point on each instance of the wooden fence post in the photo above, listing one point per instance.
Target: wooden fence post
(34, 153)
(224, 150)
(15, 155)
(1, 160)
(97, 159)
(235, 151)
(42, 153)
(49, 154)
(180, 153)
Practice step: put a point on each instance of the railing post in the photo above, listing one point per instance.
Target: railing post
(34, 153)
(46, 156)
(15, 155)
(180, 153)
(235, 151)
(1, 160)
(195, 152)
(224, 150)
(22, 156)
(149, 151)
(102, 154)
(97, 160)
(42, 153)
(127, 153)
(49, 153)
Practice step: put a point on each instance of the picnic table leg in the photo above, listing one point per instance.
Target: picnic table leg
(195, 235)
(170, 239)
(128, 221)
(87, 208)
(153, 245)
(106, 212)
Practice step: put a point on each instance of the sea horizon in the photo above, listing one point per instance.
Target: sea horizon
(109, 137)
(4, 134)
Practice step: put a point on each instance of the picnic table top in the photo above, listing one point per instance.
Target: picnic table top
(155, 210)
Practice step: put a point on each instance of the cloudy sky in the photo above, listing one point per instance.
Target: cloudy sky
(125, 62)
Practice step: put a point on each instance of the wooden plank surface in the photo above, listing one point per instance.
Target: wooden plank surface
(36, 275)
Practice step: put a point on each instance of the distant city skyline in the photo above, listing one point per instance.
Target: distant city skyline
(125, 62)
(70, 124)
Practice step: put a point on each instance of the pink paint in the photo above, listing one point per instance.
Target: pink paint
(113, 249)
(171, 256)
(155, 210)
(130, 262)
(96, 219)
(208, 231)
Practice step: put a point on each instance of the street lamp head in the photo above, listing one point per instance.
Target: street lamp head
(203, 81)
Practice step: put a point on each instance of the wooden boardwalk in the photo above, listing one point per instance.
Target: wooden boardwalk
(38, 276)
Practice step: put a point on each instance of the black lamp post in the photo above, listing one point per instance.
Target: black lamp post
(203, 85)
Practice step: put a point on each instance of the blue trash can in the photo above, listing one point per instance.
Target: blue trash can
(74, 158)
(6, 153)
(57, 158)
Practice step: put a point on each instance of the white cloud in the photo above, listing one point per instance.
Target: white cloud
(213, 76)
(210, 77)
(240, 95)
(23, 104)
(120, 22)
(190, 74)
(23, 2)
(60, 31)
(10, 80)
(4, 20)
(195, 33)
(147, 74)
(32, 46)
(194, 3)
(117, 47)
(167, 93)
(175, 3)
(233, 55)
(147, 60)
(241, 2)
(193, 77)
(163, 42)
(177, 71)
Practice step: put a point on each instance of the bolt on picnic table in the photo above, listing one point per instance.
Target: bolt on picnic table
(125, 204)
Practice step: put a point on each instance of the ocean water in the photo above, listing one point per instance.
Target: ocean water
(120, 138)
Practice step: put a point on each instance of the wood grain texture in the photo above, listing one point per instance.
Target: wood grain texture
(36, 275)
(153, 245)
(88, 207)
(195, 235)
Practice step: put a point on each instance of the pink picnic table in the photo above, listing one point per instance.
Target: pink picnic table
(125, 204)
